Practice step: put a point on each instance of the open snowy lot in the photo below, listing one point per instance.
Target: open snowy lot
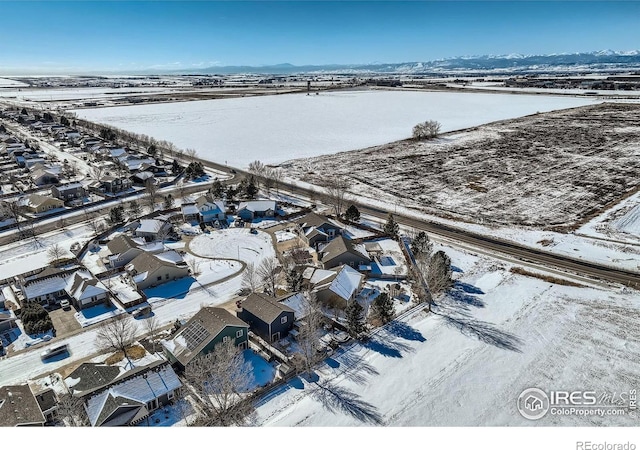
(281, 127)
(551, 171)
(234, 243)
(494, 335)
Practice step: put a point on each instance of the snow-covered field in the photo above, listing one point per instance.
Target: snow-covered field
(53, 94)
(7, 83)
(619, 223)
(234, 243)
(291, 126)
(493, 336)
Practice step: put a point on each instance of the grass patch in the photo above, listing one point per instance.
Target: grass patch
(545, 242)
(547, 278)
(134, 352)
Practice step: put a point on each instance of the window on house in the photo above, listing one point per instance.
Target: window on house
(239, 333)
(170, 395)
(283, 320)
(225, 339)
(166, 277)
(160, 278)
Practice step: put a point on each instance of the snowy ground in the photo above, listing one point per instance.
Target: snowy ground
(234, 243)
(296, 125)
(620, 223)
(494, 335)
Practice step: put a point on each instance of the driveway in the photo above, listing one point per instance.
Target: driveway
(64, 321)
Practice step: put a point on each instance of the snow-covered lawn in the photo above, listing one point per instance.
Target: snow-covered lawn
(296, 125)
(263, 372)
(494, 335)
(284, 235)
(23, 256)
(234, 243)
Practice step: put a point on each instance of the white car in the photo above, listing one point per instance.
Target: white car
(64, 304)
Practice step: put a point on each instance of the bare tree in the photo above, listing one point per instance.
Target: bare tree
(117, 334)
(309, 340)
(257, 168)
(250, 278)
(71, 411)
(194, 265)
(439, 272)
(152, 326)
(336, 192)
(190, 153)
(55, 252)
(218, 379)
(151, 188)
(268, 272)
(426, 130)
(97, 172)
(12, 209)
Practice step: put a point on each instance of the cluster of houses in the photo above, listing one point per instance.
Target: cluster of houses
(45, 185)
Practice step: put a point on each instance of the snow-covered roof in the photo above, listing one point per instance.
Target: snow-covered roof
(190, 209)
(258, 205)
(150, 226)
(150, 385)
(346, 283)
(297, 302)
(44, 287)
(69, 186)
(315, 275)
(171, 256)
(84, 285)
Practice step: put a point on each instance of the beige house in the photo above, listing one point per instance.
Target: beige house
(147, 270)
(37, 204)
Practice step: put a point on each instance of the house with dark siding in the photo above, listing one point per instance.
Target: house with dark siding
(199, 336)
(266, 316)
(343, 251)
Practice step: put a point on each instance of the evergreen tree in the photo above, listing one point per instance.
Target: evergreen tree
(421, 246)
(382, 308)
(152, 150)
(176, 167)
(168, 201)
(116, 215)
(251, 189)
(355, 318)
(294, 279)
(352, 214)
(231, 193)
(391, 227)
(217, 189)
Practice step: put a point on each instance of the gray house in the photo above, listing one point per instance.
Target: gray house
(342, 251)
(314, 229)
(147, 270)
(266, 316)
(199, 336)
(18, 407)
(257, 208)
(70, 191)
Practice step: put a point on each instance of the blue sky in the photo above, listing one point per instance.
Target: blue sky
(119, 35)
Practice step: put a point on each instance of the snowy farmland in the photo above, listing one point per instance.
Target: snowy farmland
(494, 335)
(550, 171)
(277, 128)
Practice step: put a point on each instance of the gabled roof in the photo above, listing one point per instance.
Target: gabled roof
(18, 406)
(91, 376)
(69, 187)
(121, 244)
(339, 246)
(131, 394)
(35, 200)
(314, 275)
(152, 226)
(199, 331)
(149, 263)
(346, 283)
(314, 220)
(264, 307)
(84, 285)
(258, 205)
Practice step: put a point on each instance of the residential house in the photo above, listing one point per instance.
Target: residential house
(152, 229)
(124, 249)
(47, 287)
(258, 208)
(315, 229)
(7, 317)
(191, 213)
(47, 401)
(148, 270)
(141, 178)
(199, 336)
(266, 316)
(38, 204)
(69, 191)
(116, 398)
(85, 290)
(43, 176)
(211, 210)
(339, 290)
(18, 407)
(112, 185)
(343, 251)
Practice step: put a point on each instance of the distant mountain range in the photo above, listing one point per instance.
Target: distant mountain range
(513, 63)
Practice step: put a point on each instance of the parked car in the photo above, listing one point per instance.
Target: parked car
(142, 312)
(341, 336)
(64, 304)
(54, 351)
